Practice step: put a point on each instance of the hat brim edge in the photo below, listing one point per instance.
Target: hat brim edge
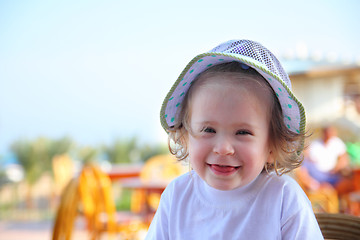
(246, 60)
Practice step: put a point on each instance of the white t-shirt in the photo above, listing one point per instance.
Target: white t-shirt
(325, 156)
(270, 207)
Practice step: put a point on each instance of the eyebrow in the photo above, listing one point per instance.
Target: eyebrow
(205, 123)
(236, 125)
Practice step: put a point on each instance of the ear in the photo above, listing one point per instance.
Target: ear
(270, 158)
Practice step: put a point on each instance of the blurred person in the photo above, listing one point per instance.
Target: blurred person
(326, 168)
(327, 160)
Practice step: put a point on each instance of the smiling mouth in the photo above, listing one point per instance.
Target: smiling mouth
(223, 170)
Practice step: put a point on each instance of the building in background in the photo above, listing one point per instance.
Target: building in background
(330, 93)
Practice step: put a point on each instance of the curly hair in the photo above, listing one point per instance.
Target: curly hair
(286, 145)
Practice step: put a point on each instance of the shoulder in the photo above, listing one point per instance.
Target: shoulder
(335, 141)
(296, 214)
(283, 182)
(293, 198)
(289, 186)
(169, 196)
(317, 142)
(182, 182)
(316, 145)
(289, 192)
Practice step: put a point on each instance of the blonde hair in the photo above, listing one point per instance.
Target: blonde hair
(286, 145)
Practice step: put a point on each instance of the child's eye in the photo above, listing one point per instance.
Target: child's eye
(243, 132)
(208, 130)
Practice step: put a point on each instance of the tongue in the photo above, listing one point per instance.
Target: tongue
(224, 169)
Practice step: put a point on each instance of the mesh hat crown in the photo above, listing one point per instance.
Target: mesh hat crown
(246, 52)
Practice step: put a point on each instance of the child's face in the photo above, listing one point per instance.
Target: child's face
(229, 144)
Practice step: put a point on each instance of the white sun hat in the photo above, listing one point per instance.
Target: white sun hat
(246, 52)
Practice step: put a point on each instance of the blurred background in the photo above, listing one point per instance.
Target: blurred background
(84, 80)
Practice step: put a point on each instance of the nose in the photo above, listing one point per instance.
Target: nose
(224, 146)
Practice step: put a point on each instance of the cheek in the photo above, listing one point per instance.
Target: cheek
(257, 154)
(198, 147)
(194, 145)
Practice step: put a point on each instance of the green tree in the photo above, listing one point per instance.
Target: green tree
(147, 151)
(3, 178)
(60, 146)
(122, 151)
(87, 154)
(35, 157)
(131, 151)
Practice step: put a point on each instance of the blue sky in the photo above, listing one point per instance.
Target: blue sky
(99, 70)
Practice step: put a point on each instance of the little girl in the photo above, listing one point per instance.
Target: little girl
(232, 115)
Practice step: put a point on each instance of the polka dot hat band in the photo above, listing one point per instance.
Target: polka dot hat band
(251, 54)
